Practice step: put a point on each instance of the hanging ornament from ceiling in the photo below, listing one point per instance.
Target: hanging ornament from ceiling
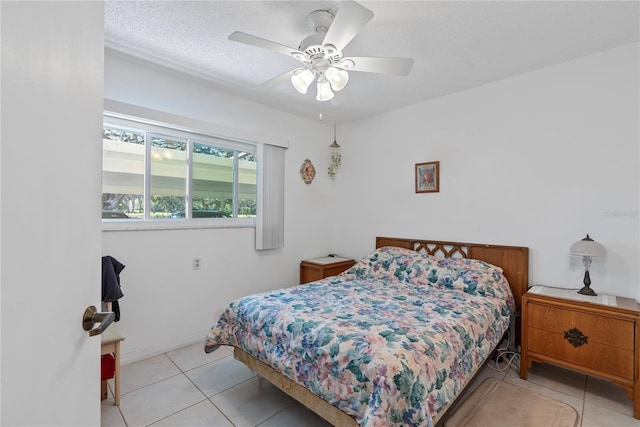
(336, 156)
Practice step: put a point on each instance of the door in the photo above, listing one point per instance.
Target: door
(50, 172)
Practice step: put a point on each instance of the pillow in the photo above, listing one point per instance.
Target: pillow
(392, 265)
(471, 276)
(398, 265)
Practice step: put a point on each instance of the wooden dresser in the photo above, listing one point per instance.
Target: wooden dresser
(596, 337)
(319, 268)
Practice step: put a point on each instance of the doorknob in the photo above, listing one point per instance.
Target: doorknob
(92, 316)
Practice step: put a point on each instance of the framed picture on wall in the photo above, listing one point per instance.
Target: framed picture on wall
(428, 177)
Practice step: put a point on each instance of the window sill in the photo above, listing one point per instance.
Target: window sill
(137, 225)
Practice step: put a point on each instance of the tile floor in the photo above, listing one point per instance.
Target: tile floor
(187, 387)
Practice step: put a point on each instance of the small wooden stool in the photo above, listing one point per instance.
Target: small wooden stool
(111, 338)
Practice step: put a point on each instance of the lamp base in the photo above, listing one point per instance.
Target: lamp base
(587, 291)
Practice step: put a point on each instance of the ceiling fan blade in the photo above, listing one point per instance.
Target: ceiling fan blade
(276, 81)
(371, 64)
(349, 20)
(245, 38)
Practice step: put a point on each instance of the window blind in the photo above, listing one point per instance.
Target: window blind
(270, 197)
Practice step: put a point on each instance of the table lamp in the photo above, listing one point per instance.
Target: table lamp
(587, 248)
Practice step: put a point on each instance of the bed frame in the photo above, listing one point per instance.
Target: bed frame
(514, 261)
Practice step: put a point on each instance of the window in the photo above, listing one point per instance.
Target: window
(156, 174)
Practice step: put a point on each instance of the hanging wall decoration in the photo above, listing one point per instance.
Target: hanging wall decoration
(336, 157)
(307, 171)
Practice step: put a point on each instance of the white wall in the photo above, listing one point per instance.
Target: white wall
(166, 303)
(537, 160)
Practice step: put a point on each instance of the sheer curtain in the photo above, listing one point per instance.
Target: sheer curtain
(270, 197)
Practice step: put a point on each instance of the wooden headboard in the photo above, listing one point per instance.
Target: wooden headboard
(514, 260)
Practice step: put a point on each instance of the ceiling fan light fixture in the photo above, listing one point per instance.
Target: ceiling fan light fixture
(324, 90)
(337, 78)
(301, 79)
(346, 64)
(299, 56)
(330, 49)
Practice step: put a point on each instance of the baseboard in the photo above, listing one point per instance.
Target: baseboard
(136, 356)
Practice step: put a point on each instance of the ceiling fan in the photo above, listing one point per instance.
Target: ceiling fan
(321, 53)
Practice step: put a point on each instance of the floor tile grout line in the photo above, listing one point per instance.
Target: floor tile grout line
(277, 413)
(174, 363)
(124, 420)
(221, 411)
(184, 374)
(199, 389)
(159, 381)
(584, 399)
(610, 408)
(199, 366)
(178, 411)
(150, 384)
(233, 386)
(575, 396)
(181, 409)
(221, 391)
(194, 367)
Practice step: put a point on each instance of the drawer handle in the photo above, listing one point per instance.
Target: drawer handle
(575, 337)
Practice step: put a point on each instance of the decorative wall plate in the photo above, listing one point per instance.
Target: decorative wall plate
(307, 171)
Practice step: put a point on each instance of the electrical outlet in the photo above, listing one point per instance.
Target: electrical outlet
(196, 263)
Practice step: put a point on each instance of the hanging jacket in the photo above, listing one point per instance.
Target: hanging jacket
(111, 291)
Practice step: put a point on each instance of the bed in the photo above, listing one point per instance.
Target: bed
(394, 340)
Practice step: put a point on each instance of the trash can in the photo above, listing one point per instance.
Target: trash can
(107, 370)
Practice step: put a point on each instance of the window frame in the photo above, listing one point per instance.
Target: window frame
(192, 136)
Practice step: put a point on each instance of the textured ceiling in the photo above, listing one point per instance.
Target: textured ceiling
(457, 45)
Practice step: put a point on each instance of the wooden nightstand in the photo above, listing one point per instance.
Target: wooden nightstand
(582, 333)
(319, 268)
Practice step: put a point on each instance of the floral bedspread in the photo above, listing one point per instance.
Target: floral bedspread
(390, 341)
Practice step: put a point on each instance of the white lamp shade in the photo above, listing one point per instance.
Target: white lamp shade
(588, 247)
(337, 77)
(324, 90)
(301, 80)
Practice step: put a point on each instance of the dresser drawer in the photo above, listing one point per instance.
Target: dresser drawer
(605, 344)
(583, 334)
(598, 329)
(600, 357)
